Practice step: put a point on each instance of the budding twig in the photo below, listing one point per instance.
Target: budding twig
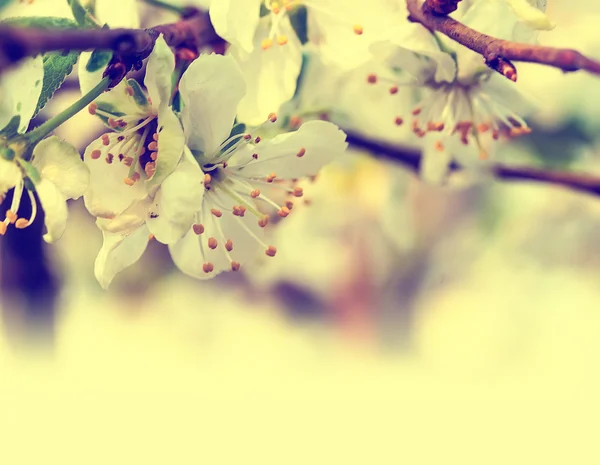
(411, 160)
(17, 43)
(499, 54)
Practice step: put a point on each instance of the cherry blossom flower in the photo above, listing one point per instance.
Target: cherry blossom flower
(242, 175)
(128, 164)
(269, 50)
(56, 170)
(463, 105)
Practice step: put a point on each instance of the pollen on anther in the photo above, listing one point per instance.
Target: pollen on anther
(272, 117)
(92, 108)
(3, 228)
(151, 237)
(207, 178)
(271, 177)
(21, 223)
(298, 191)
(208, 267)
(198, 229)
(264, 221)
(257, 140)
(96, 154)
(358, 29)
(212, 243)
(129, 181)
(394, 90)
(216, 212)
(271, 251)
(229, 245)
(301, 152)
(255, 156)
(266, 44)
(398, 121)
(283, 212)
(255, 193)
(105, 139)
(372, 78)
(247, 136)
(289, 204)
(235, 266)
(282, 40)
(153, 146)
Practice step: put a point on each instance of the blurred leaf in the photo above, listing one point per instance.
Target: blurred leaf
(4, 3)
(42, 22)
(12, 128)
(83, 16)
(56, 69)
(558, 148)
(98, 60)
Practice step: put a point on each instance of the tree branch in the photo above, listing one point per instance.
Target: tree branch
(192, 31)
(499, 54)
(411, 160)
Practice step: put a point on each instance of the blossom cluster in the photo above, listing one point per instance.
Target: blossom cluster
(203, 157)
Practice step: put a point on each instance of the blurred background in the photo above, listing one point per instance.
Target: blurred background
(400, 322)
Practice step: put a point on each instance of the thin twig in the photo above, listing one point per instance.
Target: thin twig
(411, 160)
(17, 43)
(499, 54)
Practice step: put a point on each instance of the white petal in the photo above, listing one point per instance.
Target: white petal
(271, 75)
(55, 209)
(331, 26)
(108, 195)
(59, 162)
(118, 252)
(177, 202)
(129, 220)
(159, 73)
(532, 13)
(192, 252)
(118, 13)
(236, 21)
(9, 175)
(210, 89)
(434, 163)
(319, 141)
(171, 142)
(20, 90)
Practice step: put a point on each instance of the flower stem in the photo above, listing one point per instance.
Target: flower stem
(42, 131)
(166, 6)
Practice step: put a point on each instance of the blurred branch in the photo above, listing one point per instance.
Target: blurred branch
(411, 160)
(193, 31)
(499, 54)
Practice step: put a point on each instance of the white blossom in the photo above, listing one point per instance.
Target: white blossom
(242, 178)
(269, 50)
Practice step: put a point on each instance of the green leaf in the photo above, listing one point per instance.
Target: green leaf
(4, 3)
(138, 94)
(98, 60)
(83, 16)
(41, 22)
(12, 128)
(56, 69)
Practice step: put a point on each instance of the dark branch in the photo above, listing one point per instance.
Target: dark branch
(17, 43)
(499, 54)
(411, 160)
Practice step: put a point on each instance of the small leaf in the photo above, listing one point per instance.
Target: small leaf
(12, 128)
(4, 3)
(138, 94)
(40, 22)
(83, 16)
(98, 60)
(56, 69)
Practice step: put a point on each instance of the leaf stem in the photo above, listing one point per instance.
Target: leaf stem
(42, 131)
(166, 6)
